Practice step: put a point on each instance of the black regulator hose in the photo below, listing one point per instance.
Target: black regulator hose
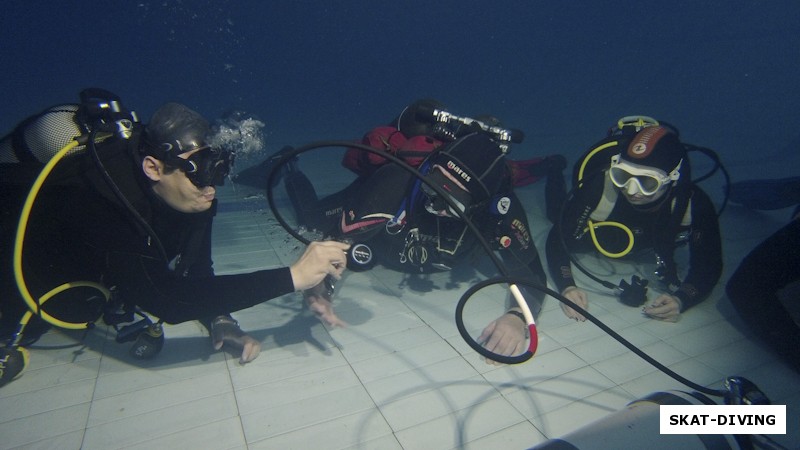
(92, 147)
(397, 161)
(504, 279)
(712, 155)
(518, 359)
(529, 320)
(563, 241)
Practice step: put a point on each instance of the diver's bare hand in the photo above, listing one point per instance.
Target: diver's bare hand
(318, 261)
(506, 335)
(321, 304)
(577, 296)
(666, 307)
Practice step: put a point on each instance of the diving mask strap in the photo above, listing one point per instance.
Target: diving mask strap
(675, 173)
(637, 123)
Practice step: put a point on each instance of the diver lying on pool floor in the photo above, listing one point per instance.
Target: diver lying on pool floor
(638, 180)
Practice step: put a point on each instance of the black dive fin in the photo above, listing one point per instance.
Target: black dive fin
(258, 175)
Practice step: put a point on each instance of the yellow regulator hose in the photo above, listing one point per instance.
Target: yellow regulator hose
(33, 305)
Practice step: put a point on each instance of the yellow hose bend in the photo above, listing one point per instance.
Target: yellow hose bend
(33, 305)
(594, 225)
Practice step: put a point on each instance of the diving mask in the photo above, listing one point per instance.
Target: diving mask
(648, 180)
(456, 193)
(205, 167)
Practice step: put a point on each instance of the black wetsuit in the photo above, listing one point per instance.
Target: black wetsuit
(79, 230)
(650, 228)
(771, 271)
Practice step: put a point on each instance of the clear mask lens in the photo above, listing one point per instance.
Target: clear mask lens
(647, 181)
(648, 185)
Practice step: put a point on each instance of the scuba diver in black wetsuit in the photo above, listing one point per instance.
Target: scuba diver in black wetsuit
(392, 218)
(638, 180)
(766, 285)
(130, 213)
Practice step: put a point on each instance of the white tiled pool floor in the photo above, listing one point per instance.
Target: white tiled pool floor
(399, 377)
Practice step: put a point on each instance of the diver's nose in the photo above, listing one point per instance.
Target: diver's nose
(633, 187)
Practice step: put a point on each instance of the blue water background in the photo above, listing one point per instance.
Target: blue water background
(725, 72)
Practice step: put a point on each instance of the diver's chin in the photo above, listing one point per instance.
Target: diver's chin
(639, 199)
